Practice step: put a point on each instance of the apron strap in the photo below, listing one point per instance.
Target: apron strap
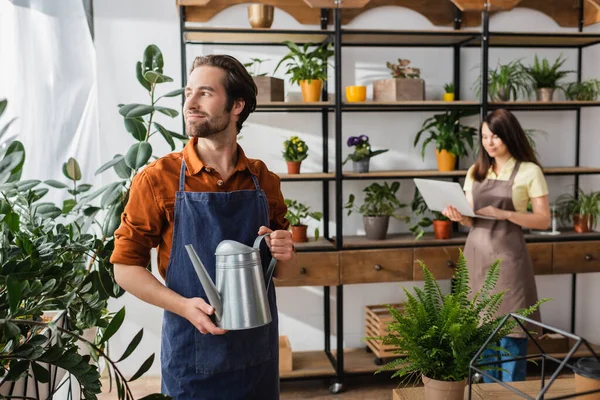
(182, 176)
(514, 172)
(255, 180)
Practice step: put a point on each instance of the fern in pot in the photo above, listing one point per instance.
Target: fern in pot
(545, 77)
(506, 82)
(583, 210)
(439, 334)
(582, 91)
(380, 204)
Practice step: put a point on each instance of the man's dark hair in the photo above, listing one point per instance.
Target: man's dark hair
(238, 83)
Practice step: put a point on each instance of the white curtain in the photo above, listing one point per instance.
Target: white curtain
(48, 75)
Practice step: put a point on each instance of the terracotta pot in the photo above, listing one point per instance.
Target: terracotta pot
(293, 167)
(445, 160)
(442, 390)
(299, 233)
(582, 225)
(260, 15)
(376, 227)
(311, 91)
(587, 377)
(544, 94)
(448, 96)
(442, 229)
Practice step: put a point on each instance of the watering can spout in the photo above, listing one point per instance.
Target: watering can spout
(207, 284)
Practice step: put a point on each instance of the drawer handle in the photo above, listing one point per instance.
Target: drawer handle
(302, 271)
(588, 257)
(450, 264)
(378, 267)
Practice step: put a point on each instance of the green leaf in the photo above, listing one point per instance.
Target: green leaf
(112, 220)
(155, 77)
(47, 210)
(132, 345)
(153, 59)
(17, 368)
(49, 285)
(110, 164)
(84, 187)
(140, 76)
(112, 194)
(11, 330)
(24, 186)
(56, 184)
(167, 111)
(68, 205)
(174, 93)
(143, 369)
(13, 286)
(136, 127)
(8, 165)
(3, 104)
(71, 169)
(113, 326)
(16, 147)
(135, 110)
(165, 134)
(122, 170)
(138, 155)
(41, 373)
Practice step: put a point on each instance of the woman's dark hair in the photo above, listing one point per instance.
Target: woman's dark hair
(505, 125)
(238, 83)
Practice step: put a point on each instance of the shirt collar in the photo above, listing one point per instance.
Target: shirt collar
(195, 165)
(510, 164)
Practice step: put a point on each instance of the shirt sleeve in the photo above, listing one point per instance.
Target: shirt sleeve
(537, 186)
(141, 225)
(468, 185)
(278, 209)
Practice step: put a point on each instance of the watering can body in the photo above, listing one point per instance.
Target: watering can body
(239, 295)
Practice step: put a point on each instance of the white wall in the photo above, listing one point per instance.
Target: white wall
(124, 28)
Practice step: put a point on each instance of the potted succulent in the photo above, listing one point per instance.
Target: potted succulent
(583, 91)
(362, 153)
(545, 77)
(269, 88)
(507, 82)
(308, 68)
(442, 226)
(449, 135)
(449, 91)
(296, 215)
(295, 150)
(405, 85)
(583, 210)
(380, 204)
(439, 334)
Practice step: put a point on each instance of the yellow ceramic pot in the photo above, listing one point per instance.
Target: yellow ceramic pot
(356, 93)
(448, 96)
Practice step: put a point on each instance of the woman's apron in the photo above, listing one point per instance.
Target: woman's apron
(490, 240)
(239, 364)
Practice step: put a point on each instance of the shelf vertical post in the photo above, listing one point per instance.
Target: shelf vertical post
(183, 55)
(325, 138)
(337, 46)
(485, 37)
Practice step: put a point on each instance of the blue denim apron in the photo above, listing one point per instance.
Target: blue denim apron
(239, 364)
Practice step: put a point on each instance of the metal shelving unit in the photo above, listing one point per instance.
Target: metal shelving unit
(334, 362)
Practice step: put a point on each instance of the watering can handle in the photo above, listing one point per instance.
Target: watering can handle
(271, 268)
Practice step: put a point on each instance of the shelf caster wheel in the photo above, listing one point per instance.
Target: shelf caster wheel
(378, 361)
(368, 349)
(336, 388)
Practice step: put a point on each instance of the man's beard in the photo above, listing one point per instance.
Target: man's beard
(209, 127)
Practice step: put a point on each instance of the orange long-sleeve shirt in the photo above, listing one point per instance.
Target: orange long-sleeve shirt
(149, 215)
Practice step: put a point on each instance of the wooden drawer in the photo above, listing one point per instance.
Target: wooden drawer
(441, 261)
(541, 258)
(368, 266)
(314, 269)
(576, 257)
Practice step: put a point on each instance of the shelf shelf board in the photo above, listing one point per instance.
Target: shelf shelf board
(406, 174)
(541, 39)
(429, 105)
(306, 177)
(571, 171)
(308, 364)
(424, 38)
(542, 106)
(259, 36)
(294, 106)
(320, 245)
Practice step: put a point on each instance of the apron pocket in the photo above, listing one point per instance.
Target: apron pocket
(232, 351)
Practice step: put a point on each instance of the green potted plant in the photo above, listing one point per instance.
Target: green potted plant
(362, 153)
(583, 210)
(269, 88)
(449, 91)
(296, 214)
(439, 334)
(405, 85)
(308, 68)
(442, 226)
(380, 204)
(506, 82)
(295, 150)
(583, 91)
(545, 77)
(449, 135)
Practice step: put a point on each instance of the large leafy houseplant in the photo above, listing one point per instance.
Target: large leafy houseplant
(506, 82)
(545, 77)
(582, 91)
(439, 334)
(583, 210)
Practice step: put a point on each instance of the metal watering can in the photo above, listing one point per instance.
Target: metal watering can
(240, 294)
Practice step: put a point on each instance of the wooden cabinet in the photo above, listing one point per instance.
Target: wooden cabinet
(314, 269)
(369, 266)
(569, 257)
(541, 257)
(441, 261)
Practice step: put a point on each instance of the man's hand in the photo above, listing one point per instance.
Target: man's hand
(197, 311)
(279, 242)
(491, 211)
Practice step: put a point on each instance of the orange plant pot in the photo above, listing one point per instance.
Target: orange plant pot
(311, 91)
(445, 160)
(299, 233)
(582, 225)
(293, 167)
(442, 229)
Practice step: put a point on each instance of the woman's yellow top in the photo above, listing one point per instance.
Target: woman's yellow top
(529, 182)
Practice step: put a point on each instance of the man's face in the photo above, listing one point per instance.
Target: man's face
(206, 102)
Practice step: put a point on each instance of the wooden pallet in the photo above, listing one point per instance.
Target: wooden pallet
(377, 319)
